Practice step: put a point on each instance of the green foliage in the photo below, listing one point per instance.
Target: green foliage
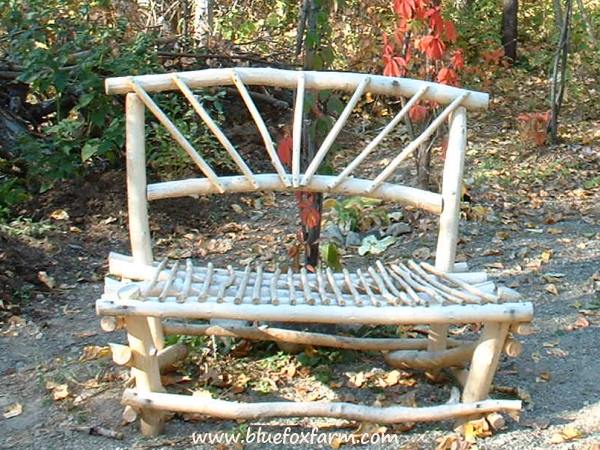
(165, 157)
(66, 48)
(357, 213)
(330, 255)
(260, 27)
(24, 226)
(11, 193)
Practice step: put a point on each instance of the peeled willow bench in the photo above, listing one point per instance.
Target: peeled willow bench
(144, 292)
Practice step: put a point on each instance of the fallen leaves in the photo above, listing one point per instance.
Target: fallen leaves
(380, 379)
(59, 214)
(543, 377)
(59, 391)
(567, 434)
(91, 352)
(421, 254)
(13, 410)
(46, 279)
(452, 441)
(580, 323)
(551, 288)
(476, 429)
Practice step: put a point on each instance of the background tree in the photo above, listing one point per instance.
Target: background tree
(421, 47)
(510, 9)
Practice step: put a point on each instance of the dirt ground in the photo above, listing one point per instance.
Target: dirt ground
(532, 222)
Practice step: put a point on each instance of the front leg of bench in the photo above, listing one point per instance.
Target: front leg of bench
(145, 370)
(485, 361)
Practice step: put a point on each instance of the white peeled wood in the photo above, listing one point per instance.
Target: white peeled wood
(422, 138)
(121, 354)
(154, 278)
(452, 191)
(214, 128)
(485, 361)
(344, 81)
(262, 128)
(264, 333)
(469, 277)
(297, 131)
(234, 410)
(425, 360)
(129, 414)
(513, 348)
(523, 329)
(506, 293)
(146, 371)
(139, 228)
(243, 284)
(445, 254)
(441, 287)
(124, 266)
(335, 130)
(170, 355)
(137, 204)
(349, 283)
(404, 195)
(383, 315)
(167, 357)
(496, 421)
(375, 142)
(460, 267)
(111, 323)
(178, 136)
(466, 287)
(169, 281)
(291, 287)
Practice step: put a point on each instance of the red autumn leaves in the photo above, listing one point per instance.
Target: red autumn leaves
(533, 127)
(421, 30)
(284, 149)
(307, 202)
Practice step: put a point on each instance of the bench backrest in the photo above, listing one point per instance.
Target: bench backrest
(447, 203)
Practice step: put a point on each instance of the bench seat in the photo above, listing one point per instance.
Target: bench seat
(411, 293)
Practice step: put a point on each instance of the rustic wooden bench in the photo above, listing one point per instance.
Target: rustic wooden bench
(145, 295)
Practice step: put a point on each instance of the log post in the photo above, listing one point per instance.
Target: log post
(167, 358)
(449, 218)
(425, 360)
(137, 203)
(513, 348)
(146, 371)
(112, 323)
(485, 361)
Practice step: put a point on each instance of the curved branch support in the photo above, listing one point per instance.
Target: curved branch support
(234, 410)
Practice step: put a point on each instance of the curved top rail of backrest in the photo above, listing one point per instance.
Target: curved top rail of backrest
(344, 81)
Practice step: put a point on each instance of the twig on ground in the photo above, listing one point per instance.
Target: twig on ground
(98, 431)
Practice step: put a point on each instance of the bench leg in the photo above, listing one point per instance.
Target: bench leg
(156, 330)
(438, 341)
(145, 370)
(485, 361)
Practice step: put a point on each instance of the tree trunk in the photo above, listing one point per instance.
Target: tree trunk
(423, 166)
(558, 14)
(203, 21)
(509, 29)
(559, 73)
(309, 145)
(588, 23)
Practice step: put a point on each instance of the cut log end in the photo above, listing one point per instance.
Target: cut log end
(513, 348)
(112, 323)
